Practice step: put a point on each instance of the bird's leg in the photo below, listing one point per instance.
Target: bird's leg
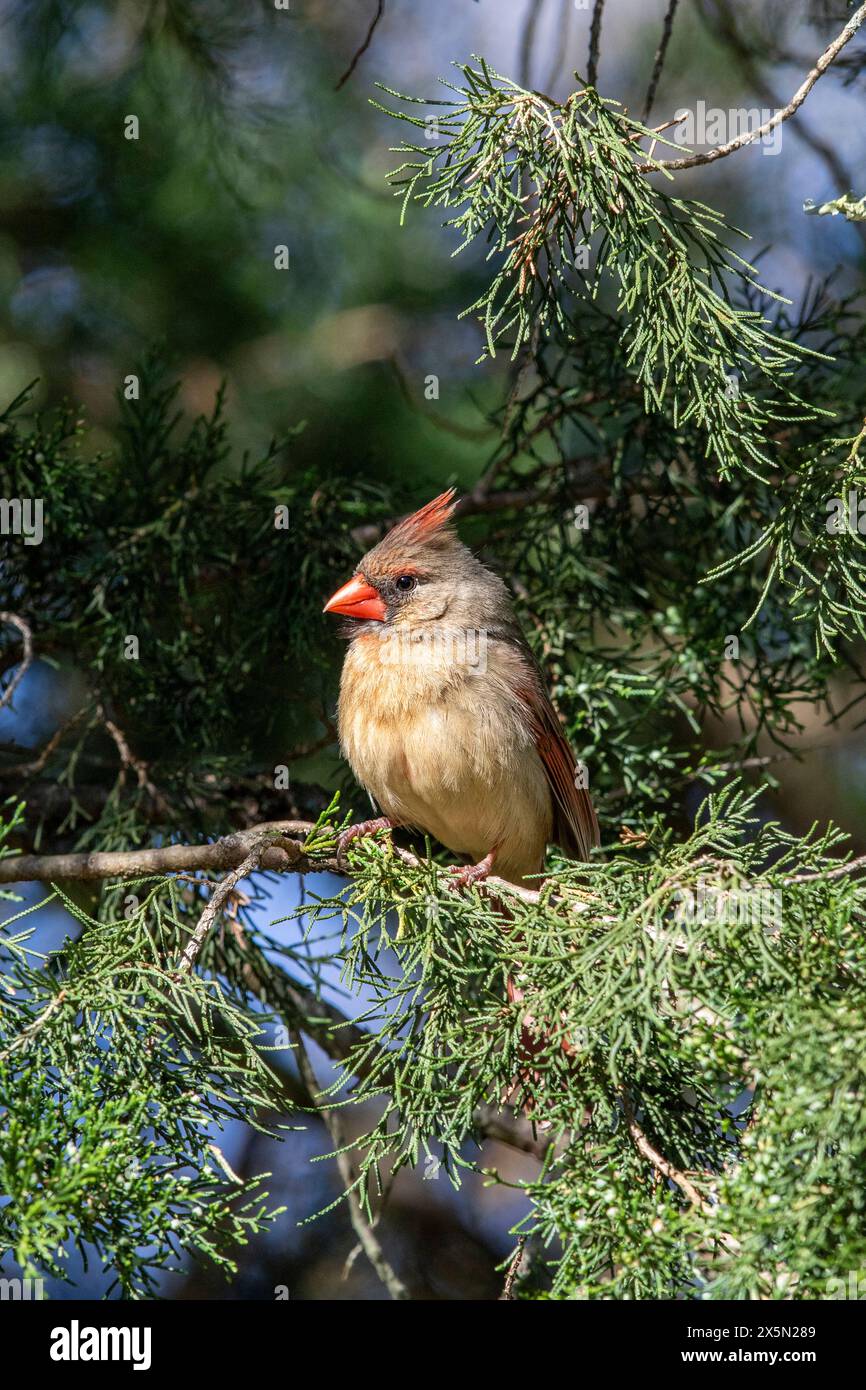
(472, 873)
(355, 832)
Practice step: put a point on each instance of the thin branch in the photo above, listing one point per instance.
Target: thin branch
(357, 1248)
(245, 801)
(26, 1036)
(359, 53)
(36, 764)
(440, 422)
(541, 426)
(513, 1270)
(749, 137)
(504, 1127)
(282, 854)
(661, 54)
(594, 41)
(723, 26)
(12, 620)
(129, 760)
(220, 855)
(313, 745)
(215, 902)
(283, 851)
(659, 1162)
(361, 1226)
(851, 867)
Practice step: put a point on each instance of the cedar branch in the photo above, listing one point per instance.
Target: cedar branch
(749, 137)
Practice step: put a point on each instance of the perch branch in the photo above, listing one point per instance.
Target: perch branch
(661, 54)
(594, 42)
(215, 902)
(659, 1162)
(749, 137)
(12, 620)
(359, 52)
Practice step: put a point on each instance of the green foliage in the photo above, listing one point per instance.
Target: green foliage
(854, 209)
(540, 181)
(689, 1037)
(554, 186)
(682, 1018)
(116, 1073)
(164, 542)
(648, 1019)
(683, 984)
(816, 545)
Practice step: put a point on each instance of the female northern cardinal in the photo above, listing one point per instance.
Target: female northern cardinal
(443, 715)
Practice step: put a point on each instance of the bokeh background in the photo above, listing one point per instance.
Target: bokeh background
(109, 247)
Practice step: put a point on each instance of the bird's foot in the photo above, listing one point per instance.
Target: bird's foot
(471, 873)
(356, 832)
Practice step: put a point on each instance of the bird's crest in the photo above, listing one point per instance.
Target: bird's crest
(426, 530)
(429, 521)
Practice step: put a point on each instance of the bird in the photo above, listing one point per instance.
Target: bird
(443, 714)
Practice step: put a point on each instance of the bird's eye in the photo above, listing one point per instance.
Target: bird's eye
(406, 582)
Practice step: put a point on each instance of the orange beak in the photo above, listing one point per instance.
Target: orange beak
(357, 599)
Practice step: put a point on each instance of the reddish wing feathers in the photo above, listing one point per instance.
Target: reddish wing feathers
(575, 828)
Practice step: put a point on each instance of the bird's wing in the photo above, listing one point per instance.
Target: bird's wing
(575, 828)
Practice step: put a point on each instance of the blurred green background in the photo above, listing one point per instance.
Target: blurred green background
(110, 246)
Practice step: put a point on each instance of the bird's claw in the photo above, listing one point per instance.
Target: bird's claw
(356, 832)
(470, 874)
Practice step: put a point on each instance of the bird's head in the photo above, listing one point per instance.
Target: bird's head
(420, 572)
